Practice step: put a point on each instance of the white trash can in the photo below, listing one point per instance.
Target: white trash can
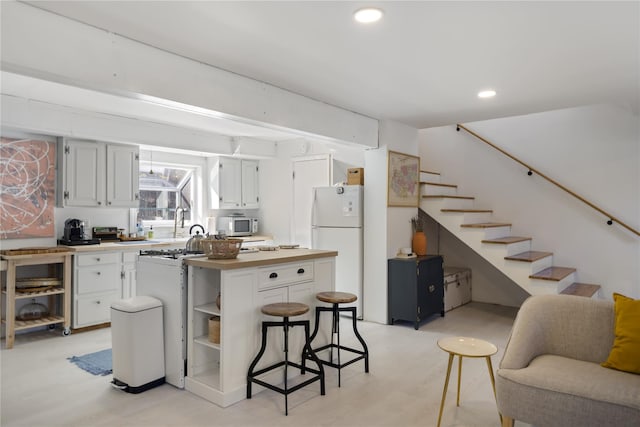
(137, 337)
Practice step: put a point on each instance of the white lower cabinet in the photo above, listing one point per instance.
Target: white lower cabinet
(129, 260)
(218, 372)
(94, 309)
(99, 278)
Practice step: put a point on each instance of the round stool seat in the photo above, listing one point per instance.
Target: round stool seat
(285, 309)
(336, 297)
(467, 347)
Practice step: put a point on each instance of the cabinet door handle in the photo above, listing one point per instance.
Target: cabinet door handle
(432, 288)
(301, 271)
(98, 302)
(273, 275)
(98, 273)
(97, 259)
(99, 203)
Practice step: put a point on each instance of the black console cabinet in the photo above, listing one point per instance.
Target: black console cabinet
(415, 288)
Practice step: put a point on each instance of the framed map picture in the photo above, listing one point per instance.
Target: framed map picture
(403, 180)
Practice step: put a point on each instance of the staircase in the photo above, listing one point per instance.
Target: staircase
(533, 271)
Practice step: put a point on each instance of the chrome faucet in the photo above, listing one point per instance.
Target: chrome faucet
(175, 221)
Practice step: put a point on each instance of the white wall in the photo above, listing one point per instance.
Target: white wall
(276, 184)
(594, 151)
(386, 229)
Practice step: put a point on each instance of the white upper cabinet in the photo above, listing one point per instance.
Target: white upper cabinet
(233, 184)
(96, 174)
(250, 196)
(122, 176)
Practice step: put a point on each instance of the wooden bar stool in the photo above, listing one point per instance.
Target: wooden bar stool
(286, 310)
(335, 299)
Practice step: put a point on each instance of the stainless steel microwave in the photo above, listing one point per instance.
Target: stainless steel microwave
(236, 225)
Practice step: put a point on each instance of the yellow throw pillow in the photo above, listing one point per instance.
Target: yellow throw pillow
(625, 354)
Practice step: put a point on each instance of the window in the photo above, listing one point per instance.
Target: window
(163, 189)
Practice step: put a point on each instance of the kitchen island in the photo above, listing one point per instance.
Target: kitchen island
(217, 371)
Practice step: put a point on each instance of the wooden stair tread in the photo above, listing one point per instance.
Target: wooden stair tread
(467, 210)
(443, 196)
(486, 225)
(507, 240)
(553, 273)
(432, 173)
(439, 184)
(581, 289)
(529, 256)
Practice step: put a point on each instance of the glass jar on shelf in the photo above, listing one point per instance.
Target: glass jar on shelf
(33, 311)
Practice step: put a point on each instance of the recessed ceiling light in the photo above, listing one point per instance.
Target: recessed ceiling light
(487, 94)
(368, 15)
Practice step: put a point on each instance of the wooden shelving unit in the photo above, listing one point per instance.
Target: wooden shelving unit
(59, 296)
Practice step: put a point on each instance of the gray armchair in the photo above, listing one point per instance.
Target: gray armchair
(550, 374)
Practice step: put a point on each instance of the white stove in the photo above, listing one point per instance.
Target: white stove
(166, 256)
(161, 274)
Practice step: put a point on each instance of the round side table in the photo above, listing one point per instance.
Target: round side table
(465, 347)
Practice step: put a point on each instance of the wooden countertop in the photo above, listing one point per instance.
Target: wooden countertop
(43, 255)
(129, 245)
(147, 244)
(261, 258)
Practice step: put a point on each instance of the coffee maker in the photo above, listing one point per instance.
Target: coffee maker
(74, 234)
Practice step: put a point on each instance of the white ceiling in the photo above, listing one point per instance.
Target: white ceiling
(422, 65)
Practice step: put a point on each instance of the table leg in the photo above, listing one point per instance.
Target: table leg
(459, 376)
(446, 384)
(493, 381)
(10, 301)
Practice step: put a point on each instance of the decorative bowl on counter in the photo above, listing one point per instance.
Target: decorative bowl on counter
(221, 248)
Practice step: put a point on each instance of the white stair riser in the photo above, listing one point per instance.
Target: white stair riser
(530, 268)
(470, 217)
(447, 203)
(429, 177)
(540, 286)
(437, 190)
(511, 248)
(496, 232)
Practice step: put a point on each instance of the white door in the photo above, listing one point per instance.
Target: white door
(308, 172)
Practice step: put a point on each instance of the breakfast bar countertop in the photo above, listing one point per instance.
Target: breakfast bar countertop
(260, 258)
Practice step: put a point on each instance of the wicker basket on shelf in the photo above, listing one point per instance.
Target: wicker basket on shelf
(214, 329)
(221, 249)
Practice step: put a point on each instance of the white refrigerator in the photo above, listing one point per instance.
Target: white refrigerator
(337, 224)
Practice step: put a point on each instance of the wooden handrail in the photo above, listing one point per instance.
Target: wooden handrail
(532, 170)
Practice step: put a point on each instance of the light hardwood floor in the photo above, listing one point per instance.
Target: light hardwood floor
(40, 387)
